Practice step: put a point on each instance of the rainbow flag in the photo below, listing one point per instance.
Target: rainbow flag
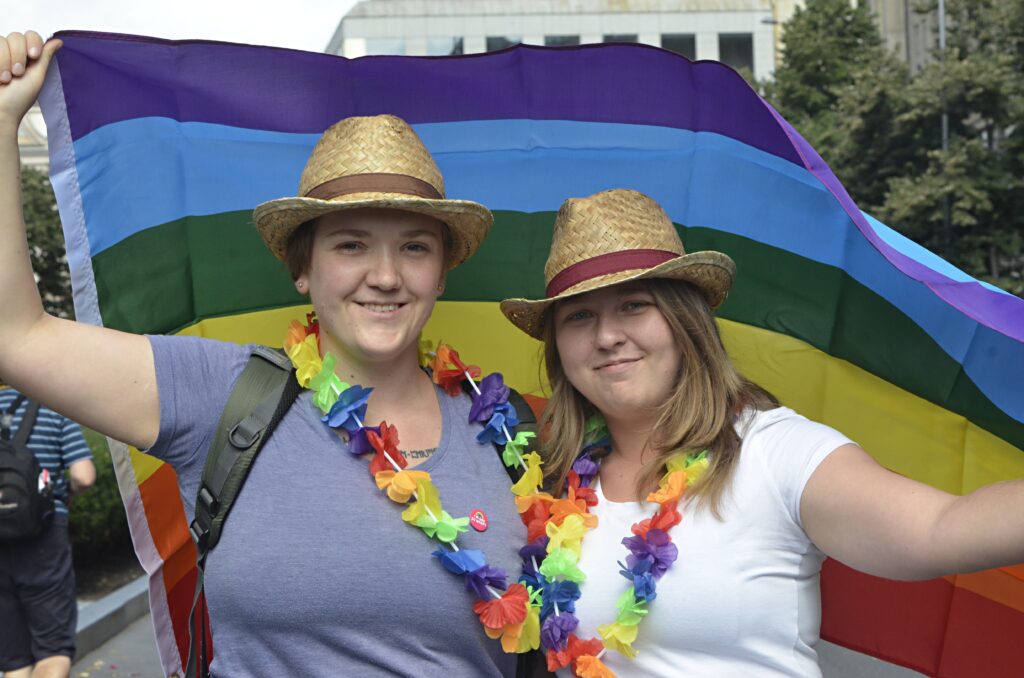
(159, 151)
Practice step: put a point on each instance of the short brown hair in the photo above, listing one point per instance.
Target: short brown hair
(299, 252)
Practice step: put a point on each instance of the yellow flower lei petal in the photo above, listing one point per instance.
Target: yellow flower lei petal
(619, 637)
(306, 357)
(532, 477)
(401, 485)
(568, 535)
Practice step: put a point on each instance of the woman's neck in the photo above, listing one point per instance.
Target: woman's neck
(399, 384)
(631, 439)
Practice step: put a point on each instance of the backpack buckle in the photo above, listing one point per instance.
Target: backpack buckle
(199, 534)
(209, 502)
(244, 434)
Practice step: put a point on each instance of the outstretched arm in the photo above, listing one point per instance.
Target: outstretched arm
(884, 524)
(99, 377)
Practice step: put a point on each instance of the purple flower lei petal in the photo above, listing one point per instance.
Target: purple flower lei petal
(657, 547)
(586, 468)
(537, 548)
(358, 443)
(351, 406)
(554, 632)
(479, 579)
(493, 392)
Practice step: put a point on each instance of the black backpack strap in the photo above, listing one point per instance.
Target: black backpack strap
(261, 396)
(8, 416)
(27, 423)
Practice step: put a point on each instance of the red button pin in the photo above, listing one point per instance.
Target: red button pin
(478, 519)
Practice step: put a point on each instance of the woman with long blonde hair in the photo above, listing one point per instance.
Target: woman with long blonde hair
(690, 513)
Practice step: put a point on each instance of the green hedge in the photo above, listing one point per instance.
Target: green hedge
(97, 524)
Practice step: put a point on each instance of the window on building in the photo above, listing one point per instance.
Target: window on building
(561, 40)
(495, 42)
(444, 46)
(737, 50)
(680, 43)
(385, 46)
(620, 37)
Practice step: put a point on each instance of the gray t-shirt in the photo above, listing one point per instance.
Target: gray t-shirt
(316, 573)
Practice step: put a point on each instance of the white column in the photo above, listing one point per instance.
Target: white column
(707, 45)
(474, 44)
(649, 39)
(354, 47)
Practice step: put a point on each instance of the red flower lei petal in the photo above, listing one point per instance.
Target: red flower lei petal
(535, 518)
(665, 519)
(449, 371)
(386, 442)
(509, 609)
(557, 659)
(312, 325)
(574, 649)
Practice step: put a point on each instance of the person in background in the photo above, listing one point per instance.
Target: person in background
(38, 610)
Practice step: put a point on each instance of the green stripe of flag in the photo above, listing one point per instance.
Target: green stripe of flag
(177, 274)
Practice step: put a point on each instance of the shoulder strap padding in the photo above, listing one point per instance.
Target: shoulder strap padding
(260, 398)
(27, 423)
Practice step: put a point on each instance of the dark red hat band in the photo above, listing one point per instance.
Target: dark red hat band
(603, 264)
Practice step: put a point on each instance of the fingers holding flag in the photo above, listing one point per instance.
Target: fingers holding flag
(24, 58)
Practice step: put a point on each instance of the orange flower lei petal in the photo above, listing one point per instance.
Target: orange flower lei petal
(528, 503)
(562, 508)
(670, 489)
(589, 666)
(295, 335)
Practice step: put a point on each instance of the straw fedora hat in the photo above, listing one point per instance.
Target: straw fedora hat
(375, 161)
(610, 238)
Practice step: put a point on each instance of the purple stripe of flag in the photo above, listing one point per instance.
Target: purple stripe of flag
(1003, 313)
(109, 78)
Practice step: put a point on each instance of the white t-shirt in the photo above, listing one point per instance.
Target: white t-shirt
(742, 599)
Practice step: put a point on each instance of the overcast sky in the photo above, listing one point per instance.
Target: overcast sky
(300, 24)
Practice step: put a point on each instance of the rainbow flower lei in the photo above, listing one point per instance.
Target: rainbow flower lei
(539, 608)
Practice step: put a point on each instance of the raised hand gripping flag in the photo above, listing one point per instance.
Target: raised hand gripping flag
(160, 150)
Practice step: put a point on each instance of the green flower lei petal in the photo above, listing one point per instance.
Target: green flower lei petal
(630, 612)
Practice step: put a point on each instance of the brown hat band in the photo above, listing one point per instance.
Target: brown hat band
(603, 264)
(374, 183)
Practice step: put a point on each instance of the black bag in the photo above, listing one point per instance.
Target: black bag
(24, 509)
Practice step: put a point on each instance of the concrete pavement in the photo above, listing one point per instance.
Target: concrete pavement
(129, 654)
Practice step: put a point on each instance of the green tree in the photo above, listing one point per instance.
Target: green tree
(879, 126)
(825, 42)
(46, 243)
(966, 202)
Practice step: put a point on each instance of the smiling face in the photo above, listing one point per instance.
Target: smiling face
(617, 350)
(373, 277)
